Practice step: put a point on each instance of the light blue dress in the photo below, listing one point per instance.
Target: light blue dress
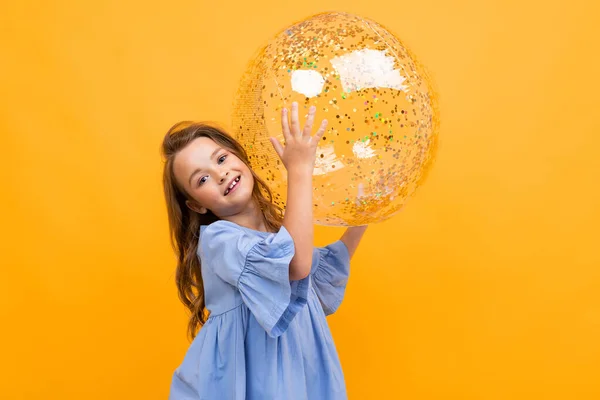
(266, 337)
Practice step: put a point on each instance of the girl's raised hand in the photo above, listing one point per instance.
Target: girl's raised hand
(300, 147)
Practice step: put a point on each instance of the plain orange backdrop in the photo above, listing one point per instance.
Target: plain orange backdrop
(486, 286)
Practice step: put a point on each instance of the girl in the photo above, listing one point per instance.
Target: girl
(255, 272)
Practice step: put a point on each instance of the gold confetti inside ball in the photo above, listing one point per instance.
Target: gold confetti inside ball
(382, 113)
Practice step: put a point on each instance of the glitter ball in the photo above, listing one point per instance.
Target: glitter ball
(345, 65)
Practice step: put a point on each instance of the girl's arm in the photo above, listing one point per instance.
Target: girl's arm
(298, 157)
(298, 220)
(351, 238)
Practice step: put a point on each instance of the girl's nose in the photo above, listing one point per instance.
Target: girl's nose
(224, 176)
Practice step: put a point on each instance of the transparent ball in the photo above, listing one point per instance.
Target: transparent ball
(382, 112)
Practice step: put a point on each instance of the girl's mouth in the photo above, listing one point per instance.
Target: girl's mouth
(232, 186)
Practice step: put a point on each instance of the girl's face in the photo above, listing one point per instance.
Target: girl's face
(214, 177)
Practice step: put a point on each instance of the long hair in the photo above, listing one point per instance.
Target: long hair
(184, 223)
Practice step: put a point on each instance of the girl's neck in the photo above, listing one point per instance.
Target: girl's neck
(252, 218)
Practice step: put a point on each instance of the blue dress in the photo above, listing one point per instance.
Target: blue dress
(266, 337)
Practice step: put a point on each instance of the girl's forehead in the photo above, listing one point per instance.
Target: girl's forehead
(197, 154)
(201, 148)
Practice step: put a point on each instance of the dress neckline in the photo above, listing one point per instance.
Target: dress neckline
(202, 227)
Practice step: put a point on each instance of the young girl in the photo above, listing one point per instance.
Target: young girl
(257, 274)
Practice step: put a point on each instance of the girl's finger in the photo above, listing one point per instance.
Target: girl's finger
(295, 121)
(277, 146)
(285, 125)
(321, 131)
(309, 122)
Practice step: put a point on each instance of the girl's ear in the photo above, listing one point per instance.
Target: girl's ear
(195, 207)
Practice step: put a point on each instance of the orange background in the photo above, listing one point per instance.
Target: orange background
(486, 286)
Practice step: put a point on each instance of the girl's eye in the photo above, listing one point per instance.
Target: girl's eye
(202, 180)
(222, 159)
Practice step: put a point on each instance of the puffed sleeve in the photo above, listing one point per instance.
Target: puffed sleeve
(330, 275)
(258, 266)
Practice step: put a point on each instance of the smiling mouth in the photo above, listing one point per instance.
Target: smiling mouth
(232, 186)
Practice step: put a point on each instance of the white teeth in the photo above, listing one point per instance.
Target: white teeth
(235, 181)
